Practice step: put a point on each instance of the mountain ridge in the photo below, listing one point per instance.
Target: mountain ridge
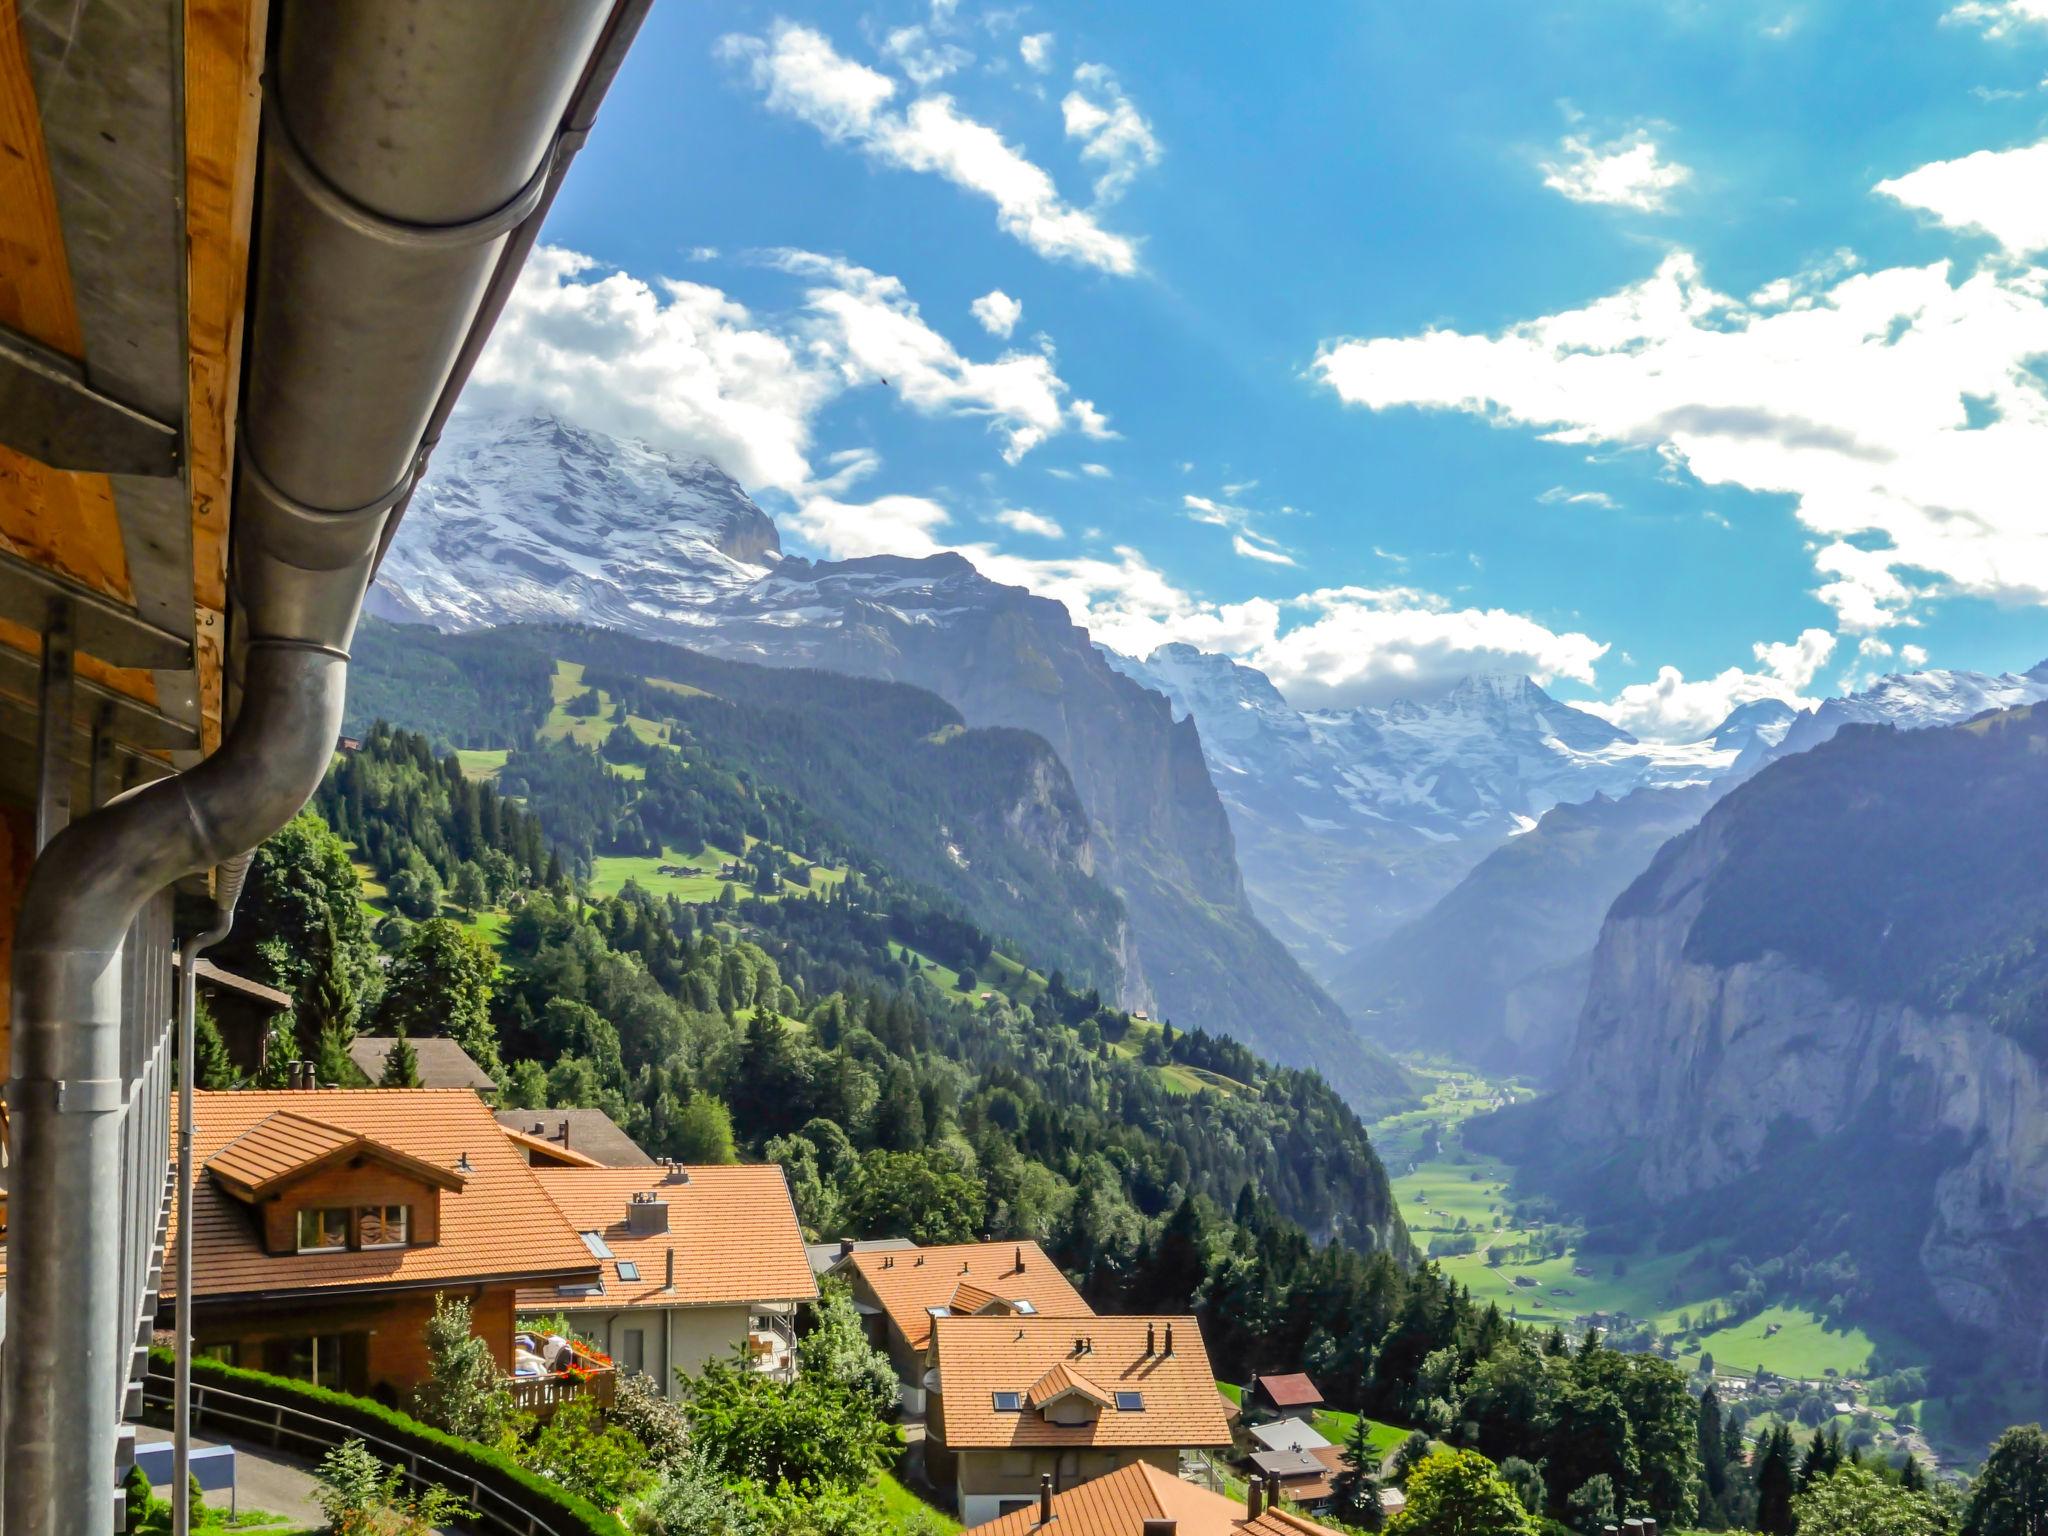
(1195, 951)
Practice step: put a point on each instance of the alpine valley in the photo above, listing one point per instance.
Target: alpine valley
(1801, 940)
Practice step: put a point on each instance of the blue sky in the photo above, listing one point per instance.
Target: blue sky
(1678, 353)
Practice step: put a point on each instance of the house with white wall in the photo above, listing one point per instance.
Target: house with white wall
(693, 1263)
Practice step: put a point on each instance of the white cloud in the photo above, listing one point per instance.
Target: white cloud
(1913, 655)
(997, 312)
(1559, 495)
(866, 326)
(1627, 172)
(1113, 133)
(801, 75)
(1251, 551)
(679, 364)
(888, 525)
(1030, 522)
(1999, 18)
(1672, 708)
(1328, 648)
(1850, 400)
(1366, 645)
(1992, 192)
(1096, 471)
(1035, 49)
(925, 61)
(684, 366)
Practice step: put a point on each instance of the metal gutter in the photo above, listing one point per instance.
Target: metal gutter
(409, 153)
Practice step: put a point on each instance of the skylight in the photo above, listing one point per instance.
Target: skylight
(1008, 1402)
(628, 1270)
(1130, 1402)
(595, 1242)
(1024, 1307)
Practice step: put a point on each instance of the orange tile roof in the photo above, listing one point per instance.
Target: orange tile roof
(551, 1153)
(1061, 1381)
(733, 1230)
(909, 1282)
(1120, 1503)
(496, 1225)
(977, 1357)
(968, 1299)
(286, 1146)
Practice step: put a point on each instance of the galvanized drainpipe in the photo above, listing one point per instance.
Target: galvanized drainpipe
(227, 891)
(406, 143)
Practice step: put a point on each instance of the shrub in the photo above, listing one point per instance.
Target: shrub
(465, 1394)
(491, 1466)
(362, 1497)
(576, 1448)
(808, 1433)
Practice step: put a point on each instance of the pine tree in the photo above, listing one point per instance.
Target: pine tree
(326, 1004)
(1776, 1483)
(212, 1066)
(1357, 1484)
(332, 1063)
(401, 1065)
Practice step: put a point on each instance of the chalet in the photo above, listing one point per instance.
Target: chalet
(1016, 1399)
(572, 1138)
(1144, 1500)
(1280, 1397)
(694, 1263)
(442, 1062)
(907, 1290)
(242, 1009)
(326, 1221)
(1303, 1476)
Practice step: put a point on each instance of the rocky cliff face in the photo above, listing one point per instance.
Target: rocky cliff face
(1495, 972)
(1848, 944)
(1160, 836)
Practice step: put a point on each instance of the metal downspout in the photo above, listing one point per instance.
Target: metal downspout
(409, 148)
(227, 892)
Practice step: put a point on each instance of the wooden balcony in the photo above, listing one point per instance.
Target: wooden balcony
(542, 1395)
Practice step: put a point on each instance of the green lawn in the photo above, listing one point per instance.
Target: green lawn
(591, 730)
(1336, 1426)
(1803, 1345)
(907, 1508)
(479, 763)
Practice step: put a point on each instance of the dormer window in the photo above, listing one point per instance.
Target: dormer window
(385, 1226)
(318, 1188)
(323, 1229)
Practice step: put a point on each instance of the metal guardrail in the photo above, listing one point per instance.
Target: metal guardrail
(494, 1512)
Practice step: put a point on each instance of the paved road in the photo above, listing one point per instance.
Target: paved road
(264, 1479)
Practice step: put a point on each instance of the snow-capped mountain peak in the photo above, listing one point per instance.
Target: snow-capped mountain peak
(523, 515)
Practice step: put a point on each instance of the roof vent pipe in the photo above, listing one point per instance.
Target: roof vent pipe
(404, 143)
(1045, 1498)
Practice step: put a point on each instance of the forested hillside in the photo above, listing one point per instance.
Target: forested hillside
(814, 1028)
(852, 770)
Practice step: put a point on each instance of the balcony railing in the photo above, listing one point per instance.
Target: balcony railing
(542, 1395)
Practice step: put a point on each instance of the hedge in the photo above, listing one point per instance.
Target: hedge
(481, 1461)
